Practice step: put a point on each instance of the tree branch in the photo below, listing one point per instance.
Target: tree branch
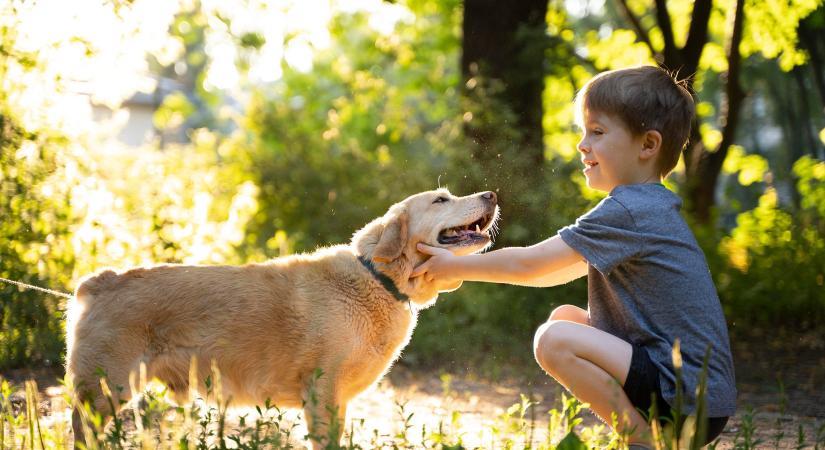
(671, 52)
(702, 185)
(637, 25)
(698, 34)
(810, 39)
(733, 91)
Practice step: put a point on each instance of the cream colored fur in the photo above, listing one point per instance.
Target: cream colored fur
(267, 327)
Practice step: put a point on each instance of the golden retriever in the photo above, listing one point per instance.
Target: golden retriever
(347, 310)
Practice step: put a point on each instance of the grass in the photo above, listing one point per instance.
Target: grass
(150, 420)
(205, 424)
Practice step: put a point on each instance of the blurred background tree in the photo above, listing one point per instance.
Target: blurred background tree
(222, 132)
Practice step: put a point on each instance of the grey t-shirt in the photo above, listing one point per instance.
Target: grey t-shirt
(649, 284)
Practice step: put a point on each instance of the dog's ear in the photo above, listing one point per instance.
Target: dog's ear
(393, 238)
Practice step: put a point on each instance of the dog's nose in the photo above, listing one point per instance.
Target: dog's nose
(489, 195)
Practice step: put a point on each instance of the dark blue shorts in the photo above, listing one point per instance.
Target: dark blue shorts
(642, 384)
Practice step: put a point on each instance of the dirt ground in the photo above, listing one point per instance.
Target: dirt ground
(780, 379)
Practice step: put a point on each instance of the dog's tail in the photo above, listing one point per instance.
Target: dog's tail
(79, 306)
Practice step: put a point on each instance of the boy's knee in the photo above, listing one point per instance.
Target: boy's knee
(552, 344)
(567, 312)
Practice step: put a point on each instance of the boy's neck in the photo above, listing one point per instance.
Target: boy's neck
(658, 181)
(648, 174)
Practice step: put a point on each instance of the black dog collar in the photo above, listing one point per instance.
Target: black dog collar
(385, 281)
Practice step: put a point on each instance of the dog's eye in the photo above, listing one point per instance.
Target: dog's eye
(441, 200)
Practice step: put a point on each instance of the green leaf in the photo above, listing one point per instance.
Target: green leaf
(571, 442)
(252, 40)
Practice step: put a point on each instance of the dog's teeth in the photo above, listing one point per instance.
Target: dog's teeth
(478, 229)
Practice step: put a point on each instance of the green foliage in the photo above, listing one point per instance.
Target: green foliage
(34, 224)
(371, 124)
(65, 220)
(772, 31)
(173, 111)
(181, 205)
(774, 267)
(71, 204)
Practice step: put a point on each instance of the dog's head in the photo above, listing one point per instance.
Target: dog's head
(463, 225)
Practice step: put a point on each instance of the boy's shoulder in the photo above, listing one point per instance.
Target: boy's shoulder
(646, 209)
(646, 200)
(633, 222)
(646, 195)
(649, 207)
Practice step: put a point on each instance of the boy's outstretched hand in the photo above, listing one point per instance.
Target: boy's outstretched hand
(438, 266)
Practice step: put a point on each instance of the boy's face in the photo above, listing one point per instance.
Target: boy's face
(610, 153)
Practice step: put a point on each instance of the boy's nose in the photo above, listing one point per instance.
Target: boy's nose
(582, 146)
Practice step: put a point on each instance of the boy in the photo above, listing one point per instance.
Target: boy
(648, 281)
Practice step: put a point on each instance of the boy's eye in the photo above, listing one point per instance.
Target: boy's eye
(441, 200)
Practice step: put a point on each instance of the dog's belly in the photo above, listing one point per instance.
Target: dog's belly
(247, 382)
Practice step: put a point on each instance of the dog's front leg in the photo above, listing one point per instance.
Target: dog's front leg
(325, 412)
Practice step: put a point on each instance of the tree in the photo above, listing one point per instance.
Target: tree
(502, 66)
(506, 45)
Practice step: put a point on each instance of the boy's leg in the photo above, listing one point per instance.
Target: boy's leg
(593, 366)
(571, 313)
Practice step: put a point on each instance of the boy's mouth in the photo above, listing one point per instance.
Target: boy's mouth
(590, 164)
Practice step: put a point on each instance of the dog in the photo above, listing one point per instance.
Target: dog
(346, 310)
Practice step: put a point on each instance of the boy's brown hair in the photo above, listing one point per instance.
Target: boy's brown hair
(643, 98)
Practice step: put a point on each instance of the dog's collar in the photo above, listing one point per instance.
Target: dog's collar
(385, 281)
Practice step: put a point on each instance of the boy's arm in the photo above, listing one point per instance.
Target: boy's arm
(562, 276)
(547, 263)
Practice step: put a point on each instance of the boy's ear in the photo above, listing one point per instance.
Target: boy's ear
(651, 144)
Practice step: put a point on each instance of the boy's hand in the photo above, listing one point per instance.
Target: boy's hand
(438, 266)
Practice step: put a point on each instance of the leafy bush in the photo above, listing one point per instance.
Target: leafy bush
(34, 224)
(773, 262)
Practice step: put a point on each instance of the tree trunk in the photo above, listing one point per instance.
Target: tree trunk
(810, 38)
(503, 54)
(702, 187)
(502, 67)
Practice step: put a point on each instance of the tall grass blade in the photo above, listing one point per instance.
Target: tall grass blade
(677, 407)
(33, 413)
(701, 423)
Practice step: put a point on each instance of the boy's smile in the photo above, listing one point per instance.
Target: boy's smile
(588, 164)
(611, 154)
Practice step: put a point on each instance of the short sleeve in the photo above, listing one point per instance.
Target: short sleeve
(605, 236)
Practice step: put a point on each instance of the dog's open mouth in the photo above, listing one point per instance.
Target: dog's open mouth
(470, 233)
